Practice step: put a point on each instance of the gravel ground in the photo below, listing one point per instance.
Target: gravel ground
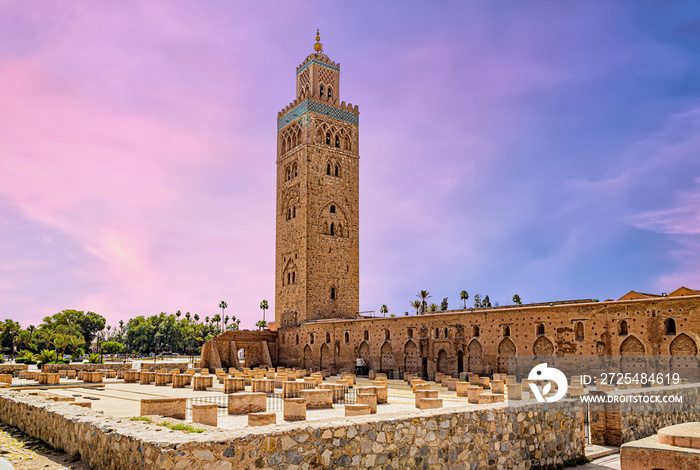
(25, 452)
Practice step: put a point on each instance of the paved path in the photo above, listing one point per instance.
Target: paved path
(611, 462)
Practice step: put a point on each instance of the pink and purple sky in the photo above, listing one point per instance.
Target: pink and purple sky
(549, 149)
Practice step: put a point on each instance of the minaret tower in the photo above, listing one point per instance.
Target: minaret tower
(317, 247)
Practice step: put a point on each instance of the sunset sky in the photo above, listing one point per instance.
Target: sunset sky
(549, 149)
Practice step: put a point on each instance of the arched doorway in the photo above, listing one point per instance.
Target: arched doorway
(505, 350)
(386, 359)
(543, 350)
(474, 352)
(684, 360)
(325, 357)
(460, 361)
(442, 361)
(363, 351)
(632, 352)
(307, 357)
(411, 357)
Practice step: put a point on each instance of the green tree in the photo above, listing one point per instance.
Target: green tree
(9, 330)
(67, 321)
(264, 306)
(112, 347)
(516, 300)
(433, 307)
(464, 295)
(384, 309)
(178, 313)
(223, 306)
(443, 304)
(261, 324)
(216, 320)
(196, 317)
(477, 301)
(416, 304)
(423, 295)
(486, 302)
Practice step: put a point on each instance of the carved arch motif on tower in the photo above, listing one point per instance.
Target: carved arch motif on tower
(334, 135)
(333, 221)
(289, 274)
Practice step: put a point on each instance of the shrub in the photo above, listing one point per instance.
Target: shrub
(94, 358)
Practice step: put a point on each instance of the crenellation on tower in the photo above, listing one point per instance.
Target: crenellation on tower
(317, 199)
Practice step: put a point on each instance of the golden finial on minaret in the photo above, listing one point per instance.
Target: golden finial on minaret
(318, 47)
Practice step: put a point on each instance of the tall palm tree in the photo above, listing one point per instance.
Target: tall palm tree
(384, 309)
(464, 295)
(226, 319)
(188, 315)
(264, 306)
(196, 317)
(423, 295)
(416, 304)
(206, 320)
(178, 313)
(216, 320)
(31, 329)
(223, 306)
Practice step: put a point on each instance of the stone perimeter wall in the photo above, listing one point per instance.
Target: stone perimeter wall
(515, 437)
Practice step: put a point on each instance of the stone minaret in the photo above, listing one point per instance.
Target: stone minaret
(317, 246)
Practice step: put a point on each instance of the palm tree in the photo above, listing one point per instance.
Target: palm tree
(433, 307)
(216, 319)
(423, 295)
(196, 317)
(464, 295)
(226, 319)
(178, 313)
(416, 304)
(206, 320)
(261, 324)
(188, 315)
(384, 309)
(31, 329)
(264, 306)
(223, 306)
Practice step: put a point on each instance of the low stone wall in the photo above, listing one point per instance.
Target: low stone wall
(53, 368)
(514, 437)
(150, 366)
(13, 368)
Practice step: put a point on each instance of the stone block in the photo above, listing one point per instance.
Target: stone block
(357, 410)
(169, 407)
(48, 379)
(318, 398)
(423, 386)
(6, 378)
(71, 374)
(451, 384)
(490, 398)
(132, 376)
(462, 389)
(146, 378)
(92, 377)
(348, 376)
(180, 380)
(162, 379)
(84, 404)
(420, 394)
(205, 413)
(515, 391)
(242, 403)
(498, 386)
(474, 379)
(473, 393)
(368, 399)
(576, 391)
(294, 409)
(262, 419)
(201, 382)
(430, 403)
(484, 382)
(109, 374)
(263, 385)
(292, 389)
(234, 384)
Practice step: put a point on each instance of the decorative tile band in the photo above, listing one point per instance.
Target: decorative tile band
(318, 108)
(318, 62)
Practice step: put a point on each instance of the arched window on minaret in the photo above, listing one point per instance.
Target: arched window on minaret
(332, 293)
(289, 278)
(332, 209)
(321, 90)
(337, 141)
(294, 212)
(330, 92)
(328, 169)
(336, 170)
(288, 174)
(332, 229)
(294, 277)
(294, 168)
(328, 138)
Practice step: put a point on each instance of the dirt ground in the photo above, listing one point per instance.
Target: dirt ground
(25, 452)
